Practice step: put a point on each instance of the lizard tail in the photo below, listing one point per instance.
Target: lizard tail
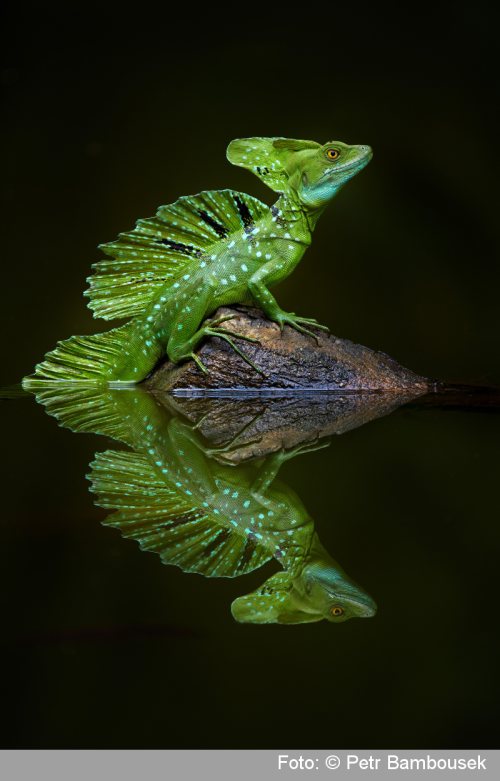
(86, 360)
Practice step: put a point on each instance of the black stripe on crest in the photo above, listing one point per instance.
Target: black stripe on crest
(179, 520)
(248, 552)
(244, 212)
(220, 230)
(186, 249)
(216, 543)
(276, 214)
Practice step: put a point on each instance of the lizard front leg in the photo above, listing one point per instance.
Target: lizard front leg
(258, 286)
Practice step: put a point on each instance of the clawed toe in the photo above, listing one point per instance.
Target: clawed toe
(313, 322)
(300, 323)
(306, 331)
(234, 334)
(221, 333)
(214, 323)
(199, 363)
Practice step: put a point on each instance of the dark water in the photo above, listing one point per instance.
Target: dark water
(108, 648)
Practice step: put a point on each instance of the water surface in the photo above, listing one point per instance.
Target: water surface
(108, 647)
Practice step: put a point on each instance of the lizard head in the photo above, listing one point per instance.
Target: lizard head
(319, 177)
(313, 172)
(333, 595)
(325, 587)
(321, 590)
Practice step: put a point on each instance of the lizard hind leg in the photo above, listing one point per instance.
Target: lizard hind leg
(229, 336)
(186, 333)
(180, 351)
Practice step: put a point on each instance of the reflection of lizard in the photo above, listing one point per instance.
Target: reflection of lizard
(205, 516)
(203, 251)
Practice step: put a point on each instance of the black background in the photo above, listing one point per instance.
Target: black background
(109, 113)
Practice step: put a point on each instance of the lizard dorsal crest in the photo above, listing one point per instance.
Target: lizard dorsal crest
(160, 249)
(271, 159)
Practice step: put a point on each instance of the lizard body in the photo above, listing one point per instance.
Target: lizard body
(218, 247)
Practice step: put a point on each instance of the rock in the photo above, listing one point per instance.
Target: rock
(288, 361)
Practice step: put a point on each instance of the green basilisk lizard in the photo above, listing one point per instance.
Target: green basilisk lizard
(203, 251)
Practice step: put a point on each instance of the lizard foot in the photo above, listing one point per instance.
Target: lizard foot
(307, 447)
(214, 323)
(222, 450)
(233, 334)
(294, 321)
(311, 321)
(226, 335)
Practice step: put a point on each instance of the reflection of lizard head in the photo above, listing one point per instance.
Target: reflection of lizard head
(311, 172)
(320, 590)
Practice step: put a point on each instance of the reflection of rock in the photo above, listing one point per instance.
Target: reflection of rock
(288, 360)
(256, 425)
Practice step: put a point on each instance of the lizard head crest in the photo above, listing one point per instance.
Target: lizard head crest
(314, 172)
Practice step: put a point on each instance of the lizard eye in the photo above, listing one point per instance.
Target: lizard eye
(332, 154)
(337, 611)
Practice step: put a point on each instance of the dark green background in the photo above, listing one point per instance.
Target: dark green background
(109, 114)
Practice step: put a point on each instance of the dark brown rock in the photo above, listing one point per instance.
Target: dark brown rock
(288, 361)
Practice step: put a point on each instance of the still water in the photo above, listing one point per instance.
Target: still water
(276, 524)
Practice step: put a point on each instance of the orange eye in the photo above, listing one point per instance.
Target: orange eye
(337, 611)
(332, 154)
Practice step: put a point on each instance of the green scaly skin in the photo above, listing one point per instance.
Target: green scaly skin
(239, 267)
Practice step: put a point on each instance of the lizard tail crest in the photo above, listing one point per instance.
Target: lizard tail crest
(82, 359)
